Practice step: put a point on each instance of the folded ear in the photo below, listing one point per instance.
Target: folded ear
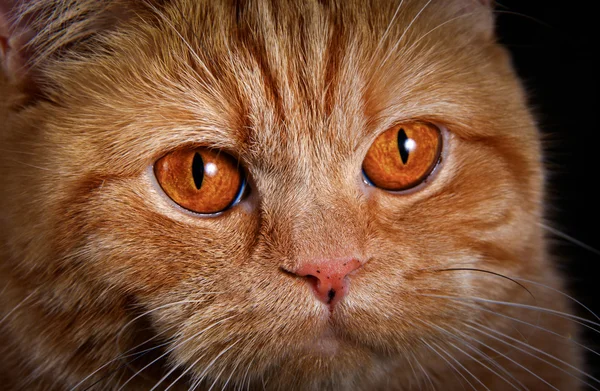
(15, 34)
(481, 12)
(34, 32)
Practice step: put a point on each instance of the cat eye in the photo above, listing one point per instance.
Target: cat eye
(403, 156)
(202, 180)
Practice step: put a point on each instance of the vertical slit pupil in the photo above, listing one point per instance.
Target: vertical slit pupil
(197, 170)
(402, 138)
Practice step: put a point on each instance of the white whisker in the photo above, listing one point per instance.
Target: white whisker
(414, 45)
(126, 353)
(246, 376)
(538, 327)
(16, 307)
(506, 357)
(414, 372)
(462, 366)
(517, 305)
(395, 47)
(570, 239)
(426, 374)
(560, 293)
(216, 379)
(204, 372)
(503, 335)
(449, 363)
(389, 26)
(479, 352)
(230, 376)
(193, 52)
(175, 347)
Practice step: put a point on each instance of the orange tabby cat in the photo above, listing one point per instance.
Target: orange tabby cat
(271, 194)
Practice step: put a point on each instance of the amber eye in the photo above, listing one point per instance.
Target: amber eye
(202, 180)
(403, 156)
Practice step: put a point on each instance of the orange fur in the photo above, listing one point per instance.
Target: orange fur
(94, 260)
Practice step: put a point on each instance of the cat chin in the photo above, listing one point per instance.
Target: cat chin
(328, 365)
(327, 344)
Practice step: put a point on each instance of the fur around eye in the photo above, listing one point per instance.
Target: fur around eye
(202, 180)
(403, 156)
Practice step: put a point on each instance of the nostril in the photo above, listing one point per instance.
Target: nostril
(328, 278)
(314, 280)
(330, 295)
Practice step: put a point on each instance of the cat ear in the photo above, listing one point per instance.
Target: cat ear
(33, 32)
(14, 37)
(482, 15)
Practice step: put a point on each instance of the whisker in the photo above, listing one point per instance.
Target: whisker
(216, 379)
(560, 293)
(185, 372)
(203, 374)
(570, 239)
(492, 273)
(427, 376)
(169, 373)
(136, 355)
(472, 269)
(175, 347)
(414, 372)
(503, 335)
(517, 305)
(4, 289)
(479, 352)
(127, 354)
(449, 364)
(495, 364)
(387, 30)
(245, 376)
(148, 312)
(395, 47)
(193, 52)
(462, 366)
(478, 361)
(479, 308)
(515, 279)
(414, 45)
(16, 307)
(523, 16)
(506, 357)
(230, 376)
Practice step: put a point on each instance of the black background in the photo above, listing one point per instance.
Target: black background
(553, 45)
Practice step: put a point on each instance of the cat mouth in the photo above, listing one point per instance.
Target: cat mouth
(325, 344)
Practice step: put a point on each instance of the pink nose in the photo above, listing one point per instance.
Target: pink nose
(329, 278)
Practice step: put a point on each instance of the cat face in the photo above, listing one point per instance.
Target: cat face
(296, 95)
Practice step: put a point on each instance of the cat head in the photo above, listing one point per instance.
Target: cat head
(103, 98)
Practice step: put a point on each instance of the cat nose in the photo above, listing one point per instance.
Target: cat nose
(329, 278)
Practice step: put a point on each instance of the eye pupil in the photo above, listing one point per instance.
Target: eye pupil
(403, 145)
(403, 156)
(197, 170)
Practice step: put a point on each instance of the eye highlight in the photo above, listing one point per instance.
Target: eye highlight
(202, 180)
(403, 156)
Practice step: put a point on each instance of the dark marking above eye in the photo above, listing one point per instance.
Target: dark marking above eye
(197, 170)
(402, 138)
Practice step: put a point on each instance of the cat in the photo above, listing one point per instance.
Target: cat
(272, 194)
